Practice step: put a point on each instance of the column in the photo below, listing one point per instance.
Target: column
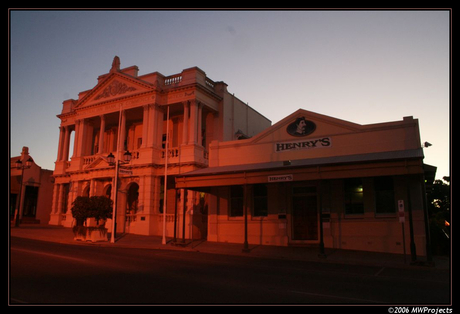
(60, 144)
(82, 140)
(79, 137)
(65, 155)
(54, 206)
(200, 121)
(75, 139)
(101, 135)
(185, 124)
(55, 217)
(145, 125)
(151, 126)
(60, 198)
(193, 137)
(122, 132)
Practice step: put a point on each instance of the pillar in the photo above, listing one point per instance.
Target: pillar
(199, 126)
(145, 125)
(122, 132)
(193, 137)
(55, 216)
(80, 139)
(61, 143)
(152, 125)
(185, 124)
(101, 135)
(60, 198)
(75, 139)
(65, 156)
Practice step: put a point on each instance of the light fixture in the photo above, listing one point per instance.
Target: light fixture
(111, 158)
(29, 162)
(18, 164)
(127, 156)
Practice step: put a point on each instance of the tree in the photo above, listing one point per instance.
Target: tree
(98, 207)
(101, 207)
(439, 212)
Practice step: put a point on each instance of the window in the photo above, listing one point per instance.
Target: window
(354, 200)
(236, 201)
(260, 200)
(384, 195)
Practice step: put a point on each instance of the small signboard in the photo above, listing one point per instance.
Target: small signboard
(125, 171)
(402, 216)
(281, 178)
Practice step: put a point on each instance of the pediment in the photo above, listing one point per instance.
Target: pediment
(98, 162)
(115, 85)
(305, 124)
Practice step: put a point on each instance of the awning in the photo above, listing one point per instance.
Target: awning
(228, 172)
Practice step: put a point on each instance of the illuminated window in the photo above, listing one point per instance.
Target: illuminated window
(354, 200)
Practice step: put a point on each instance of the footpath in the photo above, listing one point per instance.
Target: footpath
(59, 234)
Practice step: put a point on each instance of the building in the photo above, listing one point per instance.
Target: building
(129, 112)
(311, 179)
(33, 198)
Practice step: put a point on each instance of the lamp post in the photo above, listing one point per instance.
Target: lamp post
(19, 165)
(112, 162)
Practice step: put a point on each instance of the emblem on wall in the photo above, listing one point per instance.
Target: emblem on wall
(301, 127)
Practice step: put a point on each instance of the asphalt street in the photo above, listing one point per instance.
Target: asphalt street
(54, 273)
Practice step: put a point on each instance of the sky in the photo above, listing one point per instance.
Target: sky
(364, 66)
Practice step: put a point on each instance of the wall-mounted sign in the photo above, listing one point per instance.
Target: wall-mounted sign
(301, 127)
(402, 216)
(305, 144)
(281, 178)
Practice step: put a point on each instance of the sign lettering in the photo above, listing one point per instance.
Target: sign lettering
(281, 178)
(306, 144)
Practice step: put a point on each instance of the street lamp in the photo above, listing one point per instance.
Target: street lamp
(19, 165)
(111, 160)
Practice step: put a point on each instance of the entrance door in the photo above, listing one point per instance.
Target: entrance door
(131, 206)
(305, 213)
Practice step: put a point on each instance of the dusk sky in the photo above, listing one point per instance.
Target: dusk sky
(360, 66)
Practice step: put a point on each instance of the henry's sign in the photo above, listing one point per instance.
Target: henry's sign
(281, 178)
(303, 144)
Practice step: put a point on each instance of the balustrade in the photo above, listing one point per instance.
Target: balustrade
(174, 79)
(172, 152)
(169, 218)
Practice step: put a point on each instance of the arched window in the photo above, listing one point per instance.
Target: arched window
(133, 198)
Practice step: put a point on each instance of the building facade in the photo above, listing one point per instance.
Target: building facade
(127, 112)
(31, 188)
(312, 179)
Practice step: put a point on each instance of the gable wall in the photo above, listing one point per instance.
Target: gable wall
(332, 137)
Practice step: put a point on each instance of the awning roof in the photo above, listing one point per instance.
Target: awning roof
(370, 157)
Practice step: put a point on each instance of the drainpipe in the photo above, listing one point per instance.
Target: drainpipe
(429, 257)
(411, 225)
(321, 236)
(245, 207)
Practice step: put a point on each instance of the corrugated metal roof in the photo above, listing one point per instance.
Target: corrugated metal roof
(370, 157)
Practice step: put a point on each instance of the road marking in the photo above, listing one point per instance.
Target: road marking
(51, 255)
(335, 297)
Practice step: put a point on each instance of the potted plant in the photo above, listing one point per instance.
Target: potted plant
(83, 209)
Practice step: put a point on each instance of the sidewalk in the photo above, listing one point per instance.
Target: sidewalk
(60, 234)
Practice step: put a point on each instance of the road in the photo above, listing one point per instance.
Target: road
(53, 273)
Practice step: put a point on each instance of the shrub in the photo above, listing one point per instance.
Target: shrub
(97, 207)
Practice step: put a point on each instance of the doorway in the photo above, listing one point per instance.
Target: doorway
(132, 201)
(305, 213)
